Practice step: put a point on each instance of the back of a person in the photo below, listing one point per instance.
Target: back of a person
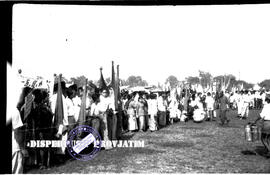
(223, 102)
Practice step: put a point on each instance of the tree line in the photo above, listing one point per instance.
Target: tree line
(204, 78)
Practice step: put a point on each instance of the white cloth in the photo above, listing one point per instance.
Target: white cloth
(263, 95)
(106, 103)
(16, 123)
(70, 107)
(152, 106)
(246, 98)
(162, 105)
(265, 114)
(209, 102)
(94, 110)
(17, 157)
(240, 104)
(199, 113)
(173, 108)
(193, 103)
(77, 106)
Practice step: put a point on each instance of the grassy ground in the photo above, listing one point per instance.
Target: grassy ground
(179, 148)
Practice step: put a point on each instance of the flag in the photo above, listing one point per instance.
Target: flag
(29, 99)
(112, 83)
(101, 83)
(59, 110)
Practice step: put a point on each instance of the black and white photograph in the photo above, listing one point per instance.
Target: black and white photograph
(139, 89)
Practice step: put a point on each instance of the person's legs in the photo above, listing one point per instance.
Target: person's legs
(239, 109)
(222, 116)
(119, 125)
(132, 123)
(109, 126)
(96, 124)
(17, 163)
(265, 138)
(151, 123)
(114, 127)
(163, 118)
(142, 122)
(105, 127)
(244, 110)
(147, 121)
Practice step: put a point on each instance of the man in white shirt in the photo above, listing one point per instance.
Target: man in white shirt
(246, 103)
(265, 116)
(240, 103)
(105, 108)
(71, 92)
(95, 113)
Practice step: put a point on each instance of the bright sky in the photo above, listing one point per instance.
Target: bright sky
(151, 41)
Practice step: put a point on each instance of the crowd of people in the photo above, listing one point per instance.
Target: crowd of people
(137, 111)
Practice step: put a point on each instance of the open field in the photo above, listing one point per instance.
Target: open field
(179, 148)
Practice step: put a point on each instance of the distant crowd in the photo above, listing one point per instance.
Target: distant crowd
(132, 112)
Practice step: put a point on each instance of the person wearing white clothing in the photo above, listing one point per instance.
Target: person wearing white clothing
(245, 105)
(265, 117)
(17, 143)
(173, 108)
(77, 106)
(152, 111)
(240, 103)
(71, 92)
(199, 113)
(105, 108)
(210, 106)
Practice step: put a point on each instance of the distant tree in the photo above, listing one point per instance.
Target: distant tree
(265, 83)
(133, 81)
(172, 80)
(245, 84)
(205, 78)
(193, 80)
(79, 81)
(226, 81)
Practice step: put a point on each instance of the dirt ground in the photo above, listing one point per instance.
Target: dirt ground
(179, 148)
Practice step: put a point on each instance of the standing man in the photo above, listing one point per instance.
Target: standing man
(106, 108)
(152, 111)
(246, 103)
(162, 109)
(142, 113)
(210, 106)
(265, 117)
(240, 103)
(223, 104)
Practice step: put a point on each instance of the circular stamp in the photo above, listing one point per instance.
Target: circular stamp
(83, 143)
